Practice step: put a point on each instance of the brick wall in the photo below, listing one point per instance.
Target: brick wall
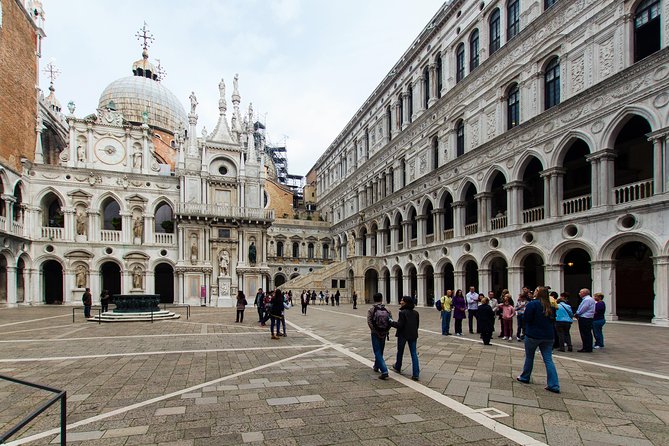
(18, 80)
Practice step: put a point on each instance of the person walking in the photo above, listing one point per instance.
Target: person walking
(459, 306)
(486, 320)
(241, 306)
(259, 303)
(276, 313)
(87, 300)
(539, 316)
(304, 302)
(508, 312)
(104, 301)
(337, 296)
(598, 320)
(378, 321)
(320, 298)
(472, 306)
(354, 297)
(446, 308)
(407, 326)
(563, 319)
(585, 314)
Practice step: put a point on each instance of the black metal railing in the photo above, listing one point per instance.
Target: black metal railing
(60, 395)
(75, 309)
(187, 306)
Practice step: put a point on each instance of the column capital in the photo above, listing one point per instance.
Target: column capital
(553, 171)
(601, 154)
(658, 134)
(517, 184)
(458, 204)
(482, 195)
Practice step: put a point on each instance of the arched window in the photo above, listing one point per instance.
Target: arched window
(474, 50)
(389, 123)
(460, 63)
(512, 107)
(646, 29)
(439, 74)
(494, 26)
(164, 222)
(549, 3)
(279, 249)
(426, 86)
(404, 173)
(410, 102)
(326, 251)
(296, 250)
(512, 19)
(400, 101)
(435, 152)
(111, 212)
(53, 216)
(552, 83)
(310, 251)
(460, 138)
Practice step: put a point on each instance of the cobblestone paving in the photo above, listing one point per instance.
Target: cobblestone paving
(210, 381)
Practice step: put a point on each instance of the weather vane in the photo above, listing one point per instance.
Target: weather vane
(51, 71)
(160, 71)
(145, 35)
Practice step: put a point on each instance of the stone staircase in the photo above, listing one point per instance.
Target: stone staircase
(317, 280)
(111, 316)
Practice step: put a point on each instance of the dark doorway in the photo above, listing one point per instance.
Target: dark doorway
(371, 285)
(577, 274)
(429, 285)
(164, 282)
(279, 280)
(52, 275)
(110, 273)
(498, 276)
(399, 282)
(386, 283)
(533, 271)
(448, 275)
(3, 279)
(413, 282)
(20, 280)
(635, 280)
(471, 274)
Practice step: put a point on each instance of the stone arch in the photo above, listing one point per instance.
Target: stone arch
(106, 259)
(524, 161)
(486, 184)
(460, 263)
(423, 204)
(618, 121)
(443, 194)
(463, 188)
(490, 256)
(558, 253)
(155, 262)
(49, 190)
(424, 264)
(610, 246)
(97, 204)
(519, 256)
(565, 144)
(159, 201)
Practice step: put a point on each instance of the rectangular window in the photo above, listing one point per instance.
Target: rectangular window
(495, 41)
(460, 63)
(223, 233)
(334, 283)
(513, 19)
(342, 283)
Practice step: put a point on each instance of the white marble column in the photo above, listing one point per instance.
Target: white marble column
(661, 305)
(458, 218)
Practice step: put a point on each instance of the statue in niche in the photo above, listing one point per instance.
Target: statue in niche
(193, 250)
(351, 246)
(81, 223)
(137, 159)
(80, 276)
(224, 263)
(193, 102)
(137, 226)
(137, 277)
(252, 253)
(81, 154)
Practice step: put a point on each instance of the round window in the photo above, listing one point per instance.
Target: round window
(223, 170)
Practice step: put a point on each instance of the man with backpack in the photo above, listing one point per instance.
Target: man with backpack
(378, 320)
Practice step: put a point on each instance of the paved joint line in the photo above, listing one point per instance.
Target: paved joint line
(97, 338)
(33, 320)
(118, 355)
(472, 414)
(162, 398)
(34, 329)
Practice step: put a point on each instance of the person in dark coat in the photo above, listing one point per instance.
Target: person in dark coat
(88, 303)
(486, 320)
(459, 307)
(407, 333)
(276, 313)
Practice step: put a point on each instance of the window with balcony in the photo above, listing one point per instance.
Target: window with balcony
(296, 250)
(439, 73)
(279, 249)
(111, 215)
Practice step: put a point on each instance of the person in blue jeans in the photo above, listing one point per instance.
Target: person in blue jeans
(407, 333)
(539, 316)
(379, 333)
(446, 307)
(598, 320)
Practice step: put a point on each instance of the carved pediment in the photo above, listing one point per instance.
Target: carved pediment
(78, 254)
(136, 199)
(136, 255)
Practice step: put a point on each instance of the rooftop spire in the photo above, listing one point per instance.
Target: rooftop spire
(143, 67)
(52, 73)
(145, 35)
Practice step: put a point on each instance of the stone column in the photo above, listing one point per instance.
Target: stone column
(483, 210)
(393, 286)
(421, 223)
(421, 294)
(11, 286)
(149, 228)
(436, 223)
(406, 118)
(29, 288)
(396, 124)
(514, 199)
(406, 227)
(555, 176)
(660, 177)
(433, 85)
(394, 238)
(406, 285)
(438, 285)
(459, 280)
(68, 223)
(553, 276)
(602, 176)
(547, 192)
(458, 218)
(418, 102)
(485, 281)
(661, 305)
(126, 230)
(515, 276)
(94, 226)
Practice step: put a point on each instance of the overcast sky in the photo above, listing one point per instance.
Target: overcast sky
(306, 65)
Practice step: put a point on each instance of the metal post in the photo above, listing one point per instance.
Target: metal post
(74, 308)
(63, 419)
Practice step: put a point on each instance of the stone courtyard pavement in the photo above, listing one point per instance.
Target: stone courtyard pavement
(210, 381)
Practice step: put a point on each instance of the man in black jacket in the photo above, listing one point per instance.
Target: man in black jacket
(407, 332)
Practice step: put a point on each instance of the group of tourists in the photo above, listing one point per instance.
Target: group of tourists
(308, 296)
(271, 306)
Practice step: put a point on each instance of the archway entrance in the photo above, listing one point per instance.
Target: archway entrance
(110, 273)
(386, 283)
(471, 275)
(498, 276)
(164, 282)
(635, 280)
(413, 282)
(52, 277)
(533, 271)
(279, 280)
(371, 285)
(20, 281)
(428, 279)
(3, 279)
(448, 274)
(350, 285)
(399, 284)
(577, 274)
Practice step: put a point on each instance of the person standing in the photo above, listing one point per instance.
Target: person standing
(378, 321)
(563, 319)
(327, 297)
(336, 298)
(241, 306)
(459, 307)
(486, 319)
(494, 305)
(87, 300)
(446, 308)
(259, 303)
(520, 312)
(104, 301)
(407, 333)
(354, 297)
(539, 315)
(304, 301)
(276, 313)
(472, 306)
(508, 312)
(585, 314)
(598, 320)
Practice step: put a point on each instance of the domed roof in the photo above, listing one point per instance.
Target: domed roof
(133, 95)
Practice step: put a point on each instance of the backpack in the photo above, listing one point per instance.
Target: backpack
(381, 319)
(438, 305)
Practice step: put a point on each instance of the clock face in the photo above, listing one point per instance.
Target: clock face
(110, 151)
